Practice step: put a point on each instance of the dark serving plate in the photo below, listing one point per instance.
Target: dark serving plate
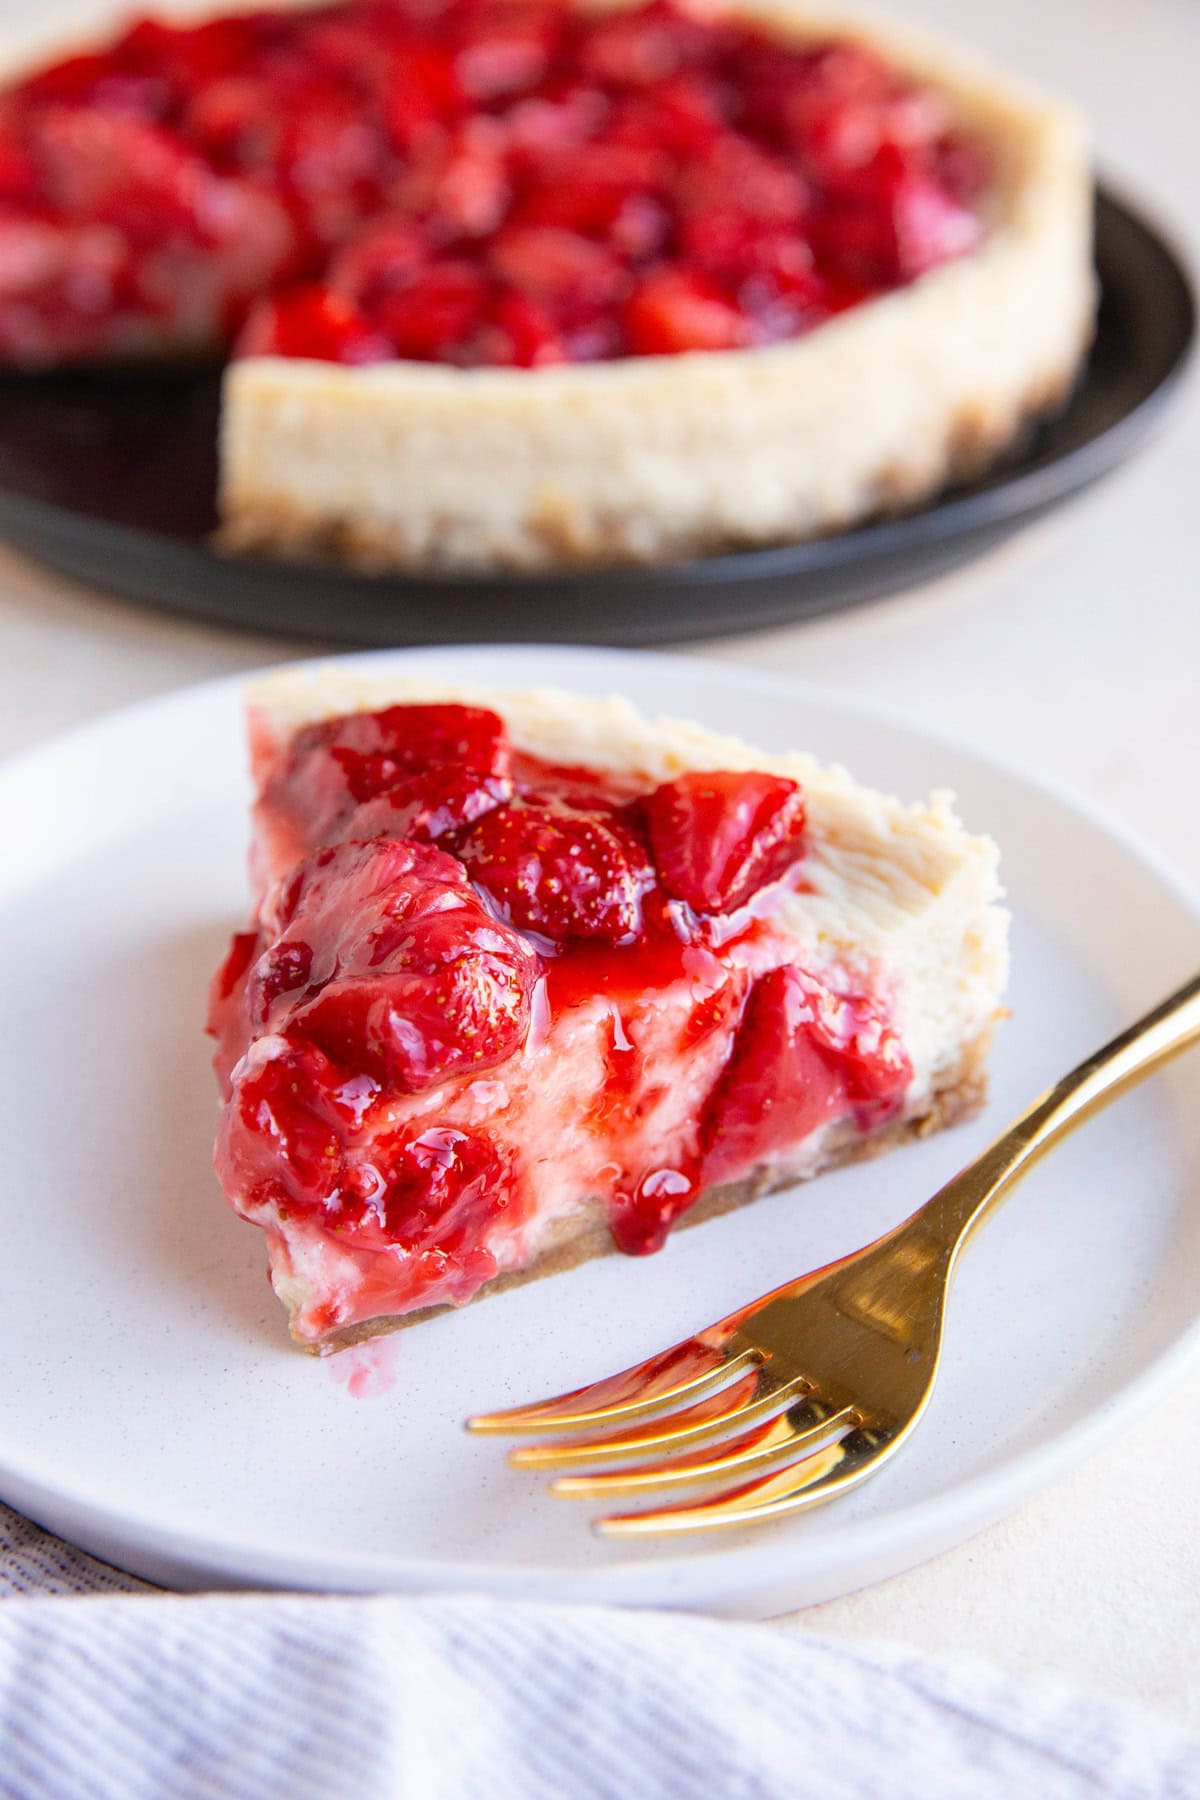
(111, 479)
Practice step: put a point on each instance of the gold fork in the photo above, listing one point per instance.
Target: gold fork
(801, 1395)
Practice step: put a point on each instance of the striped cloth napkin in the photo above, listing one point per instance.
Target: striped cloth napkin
(122, 1693)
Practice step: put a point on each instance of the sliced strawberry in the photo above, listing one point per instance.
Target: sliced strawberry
(470, 190)
(896, 224)
(718, 837)
(547, 263)
(520, 334)
(19, 178)
(424, 93)
(293, 1137)
(686, 114)
(397, 971)
(642, 48)
(412, 1028)
(377, 748)
(433, 1194)
(385, 256)
(427, 807)
(732, 246)
(234, 121)
(105, 166)
(566, 115)
(286, 1131)
(802, 1058)
(328, 161)
(740, 175)
(677, 309)
(838, 137)
(336, 765)
(436, 312)
(640, 227)
(189, 56)
(280, 970)
(508, 51)
(587, 189)
(312, 322)
(564, 875)
(785, 95)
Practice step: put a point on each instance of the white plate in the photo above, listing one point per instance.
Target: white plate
(152, 1408)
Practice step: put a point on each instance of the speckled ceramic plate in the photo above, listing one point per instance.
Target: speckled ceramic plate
(152, 1407)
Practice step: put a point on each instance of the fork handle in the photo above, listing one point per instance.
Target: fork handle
(1172, 1026)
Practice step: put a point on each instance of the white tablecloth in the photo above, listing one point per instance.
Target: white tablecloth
(117, 1697)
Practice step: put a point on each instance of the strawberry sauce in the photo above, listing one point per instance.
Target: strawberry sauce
(482, 182)
(412, 961)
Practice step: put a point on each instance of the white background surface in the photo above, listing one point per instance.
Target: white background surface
(1076, 651)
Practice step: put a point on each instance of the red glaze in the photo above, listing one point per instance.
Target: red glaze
(477, 182)
(383, 967)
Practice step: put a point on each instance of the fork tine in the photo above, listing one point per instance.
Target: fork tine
(801, 1428)
(809, 1482)
(684, 1372)
(738, 1404)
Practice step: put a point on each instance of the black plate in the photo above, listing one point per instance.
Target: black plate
(112, 480)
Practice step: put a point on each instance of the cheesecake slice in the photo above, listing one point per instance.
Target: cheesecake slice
(531, 977)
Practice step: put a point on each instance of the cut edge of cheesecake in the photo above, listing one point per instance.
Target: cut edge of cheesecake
(941, 914)
(422, 466)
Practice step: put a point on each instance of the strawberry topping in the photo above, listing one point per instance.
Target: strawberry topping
(381, 955)
(444, 901)
(560, 873)
(478, 182)
(311, 321)
(295, 1136)
(717, 838)
(802, 1057)
(437, 767)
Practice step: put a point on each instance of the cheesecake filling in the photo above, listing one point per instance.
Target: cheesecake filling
(485, 992)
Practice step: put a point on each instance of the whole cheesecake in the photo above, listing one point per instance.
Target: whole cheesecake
(530, 977)
(518, 284)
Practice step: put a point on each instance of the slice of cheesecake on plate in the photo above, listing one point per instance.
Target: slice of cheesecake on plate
(531, 977)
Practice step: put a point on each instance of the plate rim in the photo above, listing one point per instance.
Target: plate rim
(220, 1558)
